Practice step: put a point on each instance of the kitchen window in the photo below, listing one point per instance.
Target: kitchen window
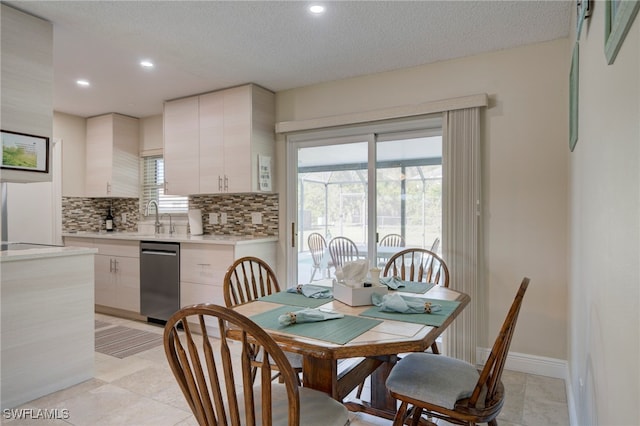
(153, 188)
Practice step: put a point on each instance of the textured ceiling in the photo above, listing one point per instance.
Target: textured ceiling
(207, 45)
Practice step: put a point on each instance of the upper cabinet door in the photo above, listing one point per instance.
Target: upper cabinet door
(211, 159)
(237, 139)
(112, 156)
(182, 146)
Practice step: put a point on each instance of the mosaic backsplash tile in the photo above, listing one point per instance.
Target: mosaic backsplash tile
(238, 208)
(88, 214)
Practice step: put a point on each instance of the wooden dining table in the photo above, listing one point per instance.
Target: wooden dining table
(338, 369)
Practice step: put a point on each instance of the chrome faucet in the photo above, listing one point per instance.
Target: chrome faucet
(146, 213)
(171, 229)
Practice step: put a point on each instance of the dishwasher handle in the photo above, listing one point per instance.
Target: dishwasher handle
(159, 252)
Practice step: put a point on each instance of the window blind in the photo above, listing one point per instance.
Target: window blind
(153, 187)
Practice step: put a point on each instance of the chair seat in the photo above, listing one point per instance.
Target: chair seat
(316, 408)
(435, 378)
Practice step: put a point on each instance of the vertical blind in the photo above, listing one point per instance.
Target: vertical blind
(153, 187)
(461, 225)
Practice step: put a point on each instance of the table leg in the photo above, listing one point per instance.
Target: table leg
(321, 374)
(381, 403)
(380, 396)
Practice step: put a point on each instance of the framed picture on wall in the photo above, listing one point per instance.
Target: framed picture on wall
(573, 99)
(619, 15)
(24, 152)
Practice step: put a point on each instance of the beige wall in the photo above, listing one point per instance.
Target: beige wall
(72, 130)
(605, 244)
(524, 155)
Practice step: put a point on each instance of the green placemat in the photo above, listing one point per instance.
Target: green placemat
(414, 287)
(294, 299)
(435, 319)
(340, 331)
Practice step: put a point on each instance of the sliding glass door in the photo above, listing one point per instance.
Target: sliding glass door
(359, 189)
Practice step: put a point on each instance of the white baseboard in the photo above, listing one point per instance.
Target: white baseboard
(530, 364)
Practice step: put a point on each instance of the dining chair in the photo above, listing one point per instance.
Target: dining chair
(417, 264)
(435, 246)
(389, 240)
(317, 246)
(420, 265)
(215, 376)
(249, 278)
(451, 389)
(342, 250)
(392, 240)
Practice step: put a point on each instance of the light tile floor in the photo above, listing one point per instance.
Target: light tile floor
(140, 390)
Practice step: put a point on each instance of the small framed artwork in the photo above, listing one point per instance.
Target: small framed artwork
(573, 98)
(619, 15)
(583, 8)
(24, 152)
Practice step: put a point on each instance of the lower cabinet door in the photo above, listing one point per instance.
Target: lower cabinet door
(127, 287)
(105, 285)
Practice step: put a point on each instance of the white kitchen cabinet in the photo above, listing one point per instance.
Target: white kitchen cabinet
(117, 272)
(181, 146)
(234, 126)
(112, 161)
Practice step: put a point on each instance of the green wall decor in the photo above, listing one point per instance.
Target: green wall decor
(619, 15)
(573, 99)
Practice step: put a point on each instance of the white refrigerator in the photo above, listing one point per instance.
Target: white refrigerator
(31, 212)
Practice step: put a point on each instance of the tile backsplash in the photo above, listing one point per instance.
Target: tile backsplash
(88, 214)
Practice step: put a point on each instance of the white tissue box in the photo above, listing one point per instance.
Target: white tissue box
(356, 296)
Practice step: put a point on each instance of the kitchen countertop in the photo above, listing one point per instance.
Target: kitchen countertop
(40, 251)
(175, 238)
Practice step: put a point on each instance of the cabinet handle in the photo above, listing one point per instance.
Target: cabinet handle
(226, 183)
(219, 183)
(203, 264)
(108, 188)
(166, 186)
(115, 265)
(110, 265)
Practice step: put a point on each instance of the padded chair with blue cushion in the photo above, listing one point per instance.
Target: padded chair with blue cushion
(452, 389)
(215, 377)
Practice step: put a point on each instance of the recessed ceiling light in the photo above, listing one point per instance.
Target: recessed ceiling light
(146, 64)
(82, 83)
(316, 9)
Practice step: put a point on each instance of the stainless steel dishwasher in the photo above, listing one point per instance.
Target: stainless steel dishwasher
(159, 280)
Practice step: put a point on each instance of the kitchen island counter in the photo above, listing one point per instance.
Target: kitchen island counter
(47, 320)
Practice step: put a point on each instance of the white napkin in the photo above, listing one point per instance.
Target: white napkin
(354, 273)
(394, 302)
(308, 315)
(312, 291)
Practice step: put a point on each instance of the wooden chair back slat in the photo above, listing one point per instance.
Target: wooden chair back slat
(247, 279)
(208, 374)
(420, 265)
(392, 240)
(317, 245)
(342, 250)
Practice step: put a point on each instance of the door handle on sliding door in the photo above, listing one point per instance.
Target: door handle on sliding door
(293, 234)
